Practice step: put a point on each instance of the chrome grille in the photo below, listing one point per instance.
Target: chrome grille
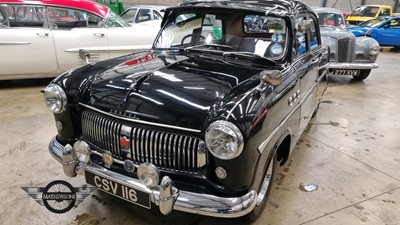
(345, 50)
(166, 150)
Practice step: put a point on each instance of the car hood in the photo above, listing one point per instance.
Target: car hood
(178, 94)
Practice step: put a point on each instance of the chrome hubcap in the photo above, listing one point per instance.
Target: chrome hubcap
(265, 184)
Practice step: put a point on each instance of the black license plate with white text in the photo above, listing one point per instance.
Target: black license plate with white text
(117, 189)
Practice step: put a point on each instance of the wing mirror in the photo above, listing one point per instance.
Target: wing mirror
(84, 54)
(273, 77)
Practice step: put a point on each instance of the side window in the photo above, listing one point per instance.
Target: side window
(157, 15)
(300, 47)
(384, 12)
(26, 15)
(143, 15)
(129, 15)
(313, 36)
(3, 20)
(61, 18)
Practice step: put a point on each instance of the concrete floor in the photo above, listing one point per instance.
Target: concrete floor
(350, 151)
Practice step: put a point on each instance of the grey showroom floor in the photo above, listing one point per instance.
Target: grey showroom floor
(350, 152)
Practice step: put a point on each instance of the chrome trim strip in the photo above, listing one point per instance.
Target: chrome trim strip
(141, 121)
(353, 65)
(15, 43)
(190, 202)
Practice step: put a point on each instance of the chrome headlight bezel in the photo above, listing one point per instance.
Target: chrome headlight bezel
(374, 50)
(55, 98)
(233, 140)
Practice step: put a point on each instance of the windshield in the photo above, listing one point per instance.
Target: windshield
(228, 32)
(331, 19)
(372, 22)
(369, 11)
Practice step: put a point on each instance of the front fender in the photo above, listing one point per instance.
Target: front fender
(362, 49)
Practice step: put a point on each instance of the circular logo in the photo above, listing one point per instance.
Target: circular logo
(59, 196)
(277, 38)
(129, 166)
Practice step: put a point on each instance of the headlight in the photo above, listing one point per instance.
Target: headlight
(374, 50)
(224, 140)
(55, 98)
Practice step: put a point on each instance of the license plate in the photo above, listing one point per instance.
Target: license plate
(346, 72)
(117, 189)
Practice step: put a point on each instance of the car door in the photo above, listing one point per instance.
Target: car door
(74, 30)
(26, 47)
(389, 34)
(307, 66)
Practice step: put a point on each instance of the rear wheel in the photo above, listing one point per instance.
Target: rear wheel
(363, 74)
(264, 190)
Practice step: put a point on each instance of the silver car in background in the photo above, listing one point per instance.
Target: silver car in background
(349, 55)
(143, 13)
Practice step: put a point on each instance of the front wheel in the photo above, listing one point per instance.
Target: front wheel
(363, 74)
(264, 190)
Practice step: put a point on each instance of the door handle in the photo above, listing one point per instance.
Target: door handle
(98, 34)
(42, 34)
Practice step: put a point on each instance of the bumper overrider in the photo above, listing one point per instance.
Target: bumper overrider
(164, 195)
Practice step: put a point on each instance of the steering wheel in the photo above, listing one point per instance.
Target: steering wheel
(202, 38)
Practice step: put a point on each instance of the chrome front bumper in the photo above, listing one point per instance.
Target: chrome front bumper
(165, 195)
(353, 66)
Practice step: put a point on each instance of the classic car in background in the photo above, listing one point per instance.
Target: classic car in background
(367, 12)
(142, 13)
(43, 38)
(386, 30)
(349, 55)
(199, 123)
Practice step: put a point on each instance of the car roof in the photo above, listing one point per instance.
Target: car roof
(326, 10)
(277, 7)
(86, 5)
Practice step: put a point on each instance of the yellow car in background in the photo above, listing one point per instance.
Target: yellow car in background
(367, 12)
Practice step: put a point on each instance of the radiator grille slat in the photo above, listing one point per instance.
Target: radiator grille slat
(167, 150)
(345, 50)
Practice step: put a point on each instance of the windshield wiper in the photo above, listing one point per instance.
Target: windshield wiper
(218, 47)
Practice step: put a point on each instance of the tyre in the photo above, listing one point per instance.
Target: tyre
(264, 190)
(363, 74)
(315, 111)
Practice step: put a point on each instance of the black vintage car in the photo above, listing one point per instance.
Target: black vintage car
(198, 123)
